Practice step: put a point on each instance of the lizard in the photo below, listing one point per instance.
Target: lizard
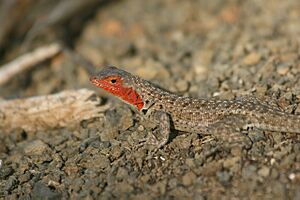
(223, 119)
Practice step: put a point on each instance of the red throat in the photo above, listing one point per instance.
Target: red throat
(117, 88)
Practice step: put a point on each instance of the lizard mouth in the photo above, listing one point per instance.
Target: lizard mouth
(95, 81)
(104, 85)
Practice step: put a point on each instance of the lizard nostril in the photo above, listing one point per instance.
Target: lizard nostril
(92, 78)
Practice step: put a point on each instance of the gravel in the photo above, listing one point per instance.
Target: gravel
(203, 48)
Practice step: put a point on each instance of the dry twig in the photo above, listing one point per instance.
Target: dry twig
(64, 109)
(27, 61)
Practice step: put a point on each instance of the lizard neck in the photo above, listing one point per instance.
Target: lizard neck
(130, 96)
(151, 94)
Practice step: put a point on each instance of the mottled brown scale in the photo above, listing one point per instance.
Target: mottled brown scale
(198, 115)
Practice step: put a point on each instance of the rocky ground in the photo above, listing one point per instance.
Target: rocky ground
(194, 48)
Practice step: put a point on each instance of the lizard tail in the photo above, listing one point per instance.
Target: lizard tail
(279, 122)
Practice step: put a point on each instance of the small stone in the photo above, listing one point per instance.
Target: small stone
(274, 173)
(122, 173)
(126, 120)
(159, 187)
(190, 162)
(261, 90)
(11, 183)
(292, 176)
(228, 163)
(71, 170)
(188, 179)
(116, 152)
(173, 182)
(6, 172)
(236, 151)
(145, 178)
(111, 27)
(283, 70)
(36, 147)
(249, 172)
(182, 85)
(224, 177)
(279, 189)
(211, 168)
(264, 171)
(24, 178)
(252, 59)
(99, 162)
(141, 128)
(41, 191)
(123, 187)
(152, 70)
(272, 161)
(109, 134)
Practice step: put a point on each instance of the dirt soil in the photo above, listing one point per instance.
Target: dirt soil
(194, 48)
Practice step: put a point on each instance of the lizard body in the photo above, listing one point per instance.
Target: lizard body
(172, 111)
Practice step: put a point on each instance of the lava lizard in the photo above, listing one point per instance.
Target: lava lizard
(222, 118)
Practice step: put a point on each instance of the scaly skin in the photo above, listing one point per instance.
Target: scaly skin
(221, 118)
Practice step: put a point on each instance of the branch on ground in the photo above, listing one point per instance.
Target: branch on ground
(64, 109)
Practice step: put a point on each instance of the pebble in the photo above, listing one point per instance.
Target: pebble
(41, 191)
(11, 183)
(71, 170)
(99, 162)
(224, 177)
(109, 134)
(141, 128)
(264, 171)
(159, 187)
(211, 168)
(292, 176)
(283, 70)
(122, 173)
(24, 178)
(249, 172)
(152, 70)
(182, 85)
(228, 163)
(6, 172)
(252, 59)
(116, 152)
(173, 182)
(274, 173)
(189, 178)
(36, 147)
(123, 187)
(190, 162)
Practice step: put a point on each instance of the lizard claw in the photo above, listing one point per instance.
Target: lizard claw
(151, 140)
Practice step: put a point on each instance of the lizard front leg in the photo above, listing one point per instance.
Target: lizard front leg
(164, 128)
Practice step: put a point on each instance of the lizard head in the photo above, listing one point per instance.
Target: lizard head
(119, 83)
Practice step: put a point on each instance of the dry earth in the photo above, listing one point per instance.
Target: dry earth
(195, 48)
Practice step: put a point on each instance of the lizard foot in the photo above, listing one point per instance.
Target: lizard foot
(152, 140)
(163, 120)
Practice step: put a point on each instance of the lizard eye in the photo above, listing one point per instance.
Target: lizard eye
(113, 81)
